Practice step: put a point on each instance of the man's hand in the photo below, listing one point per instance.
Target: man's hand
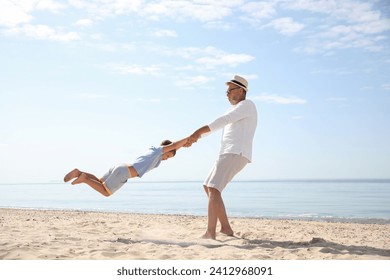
(196, 135)
(191, 140)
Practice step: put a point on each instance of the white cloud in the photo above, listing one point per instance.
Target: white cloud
(200, 10)
(137, 69)
(41, 5)
(329, 25)
(107, 8)
(208, 57)
(349, 24)
(165, 33)
(190, 82)
(258, 11)
(123, 6)
(355, 36)
(230, 60)
(43, 32)
(278, 99)
(49, 5)
(203, 11)
(286, 26)
(17, 15)
(96, 36)
(211, 57)
(184, 68)
(11, 14)
(85, 22)
(220, 25)
(311, 5)
(347, 10)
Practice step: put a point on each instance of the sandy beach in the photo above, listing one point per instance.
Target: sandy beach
(50, 235)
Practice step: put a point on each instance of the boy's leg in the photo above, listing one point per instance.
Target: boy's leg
(72, 174)
(91, 176)
(76, 173)
(95, 184)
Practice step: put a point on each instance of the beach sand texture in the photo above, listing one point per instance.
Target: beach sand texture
(39, 234)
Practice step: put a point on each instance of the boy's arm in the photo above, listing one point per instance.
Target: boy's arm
(175, 145)
(197, 134)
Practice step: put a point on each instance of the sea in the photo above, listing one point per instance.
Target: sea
(365, 201)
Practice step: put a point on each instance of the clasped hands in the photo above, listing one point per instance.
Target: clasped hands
(191, 140)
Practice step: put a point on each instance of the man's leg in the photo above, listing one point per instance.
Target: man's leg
(216, 210)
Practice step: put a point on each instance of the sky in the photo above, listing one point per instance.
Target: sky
(90, 84)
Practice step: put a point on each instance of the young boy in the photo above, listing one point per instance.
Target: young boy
(117, 176)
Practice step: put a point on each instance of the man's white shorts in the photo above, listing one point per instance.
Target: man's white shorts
(224, 169)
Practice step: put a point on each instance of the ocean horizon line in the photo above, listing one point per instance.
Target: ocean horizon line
(314, 180)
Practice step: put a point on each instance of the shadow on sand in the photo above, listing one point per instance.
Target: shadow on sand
(249, 244)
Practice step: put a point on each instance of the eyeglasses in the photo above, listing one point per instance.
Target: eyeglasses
(230, 90)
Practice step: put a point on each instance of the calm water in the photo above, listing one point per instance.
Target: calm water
(352, 200)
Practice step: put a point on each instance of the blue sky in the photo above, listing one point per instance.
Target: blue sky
(89, 84)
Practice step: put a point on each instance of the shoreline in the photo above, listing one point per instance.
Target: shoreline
(57, 234)
(352, 220)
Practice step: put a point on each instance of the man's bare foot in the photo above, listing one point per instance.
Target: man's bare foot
(80, 179)
(72, 174)
(209, 235)
(228, 232)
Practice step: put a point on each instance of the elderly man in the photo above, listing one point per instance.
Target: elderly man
(239, 126)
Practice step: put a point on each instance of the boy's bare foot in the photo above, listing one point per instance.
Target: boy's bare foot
(72, 174)
(208, 235)
(80, 179)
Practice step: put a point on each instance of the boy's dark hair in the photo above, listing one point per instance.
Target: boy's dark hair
(166, 143)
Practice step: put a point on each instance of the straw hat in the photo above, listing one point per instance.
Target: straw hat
(239, 81)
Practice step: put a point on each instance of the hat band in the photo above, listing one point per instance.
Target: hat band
(240, 84)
